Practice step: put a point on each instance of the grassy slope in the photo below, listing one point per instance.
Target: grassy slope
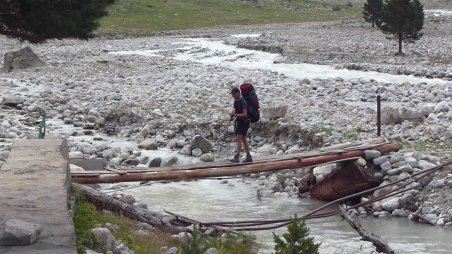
(147, 16)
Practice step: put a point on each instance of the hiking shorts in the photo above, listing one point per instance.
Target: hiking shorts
(241, 127)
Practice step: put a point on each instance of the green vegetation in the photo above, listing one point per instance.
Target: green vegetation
(427, 146)
(402, 20)
(87, 217)
(372, 12)
(296, 239)
(241, 244)
(141, 17)
(37, 21)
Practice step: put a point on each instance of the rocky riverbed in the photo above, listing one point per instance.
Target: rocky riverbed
(160, 92)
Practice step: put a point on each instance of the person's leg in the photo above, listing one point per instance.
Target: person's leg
(245, 144)
(239, 143)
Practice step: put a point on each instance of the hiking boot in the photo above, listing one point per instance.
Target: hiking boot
(235, 159)
(248, 158)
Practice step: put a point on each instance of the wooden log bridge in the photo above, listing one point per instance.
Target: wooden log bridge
(330, 154)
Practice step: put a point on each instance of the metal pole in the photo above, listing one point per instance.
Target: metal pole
(378, 116)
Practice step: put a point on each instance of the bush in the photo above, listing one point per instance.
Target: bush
(296, 240)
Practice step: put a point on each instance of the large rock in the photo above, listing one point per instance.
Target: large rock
(442, 107)
(207, 157)
(170, 161)
(390, 115)
(122, 249)
(411, 115)
(155, 163)
(390, 204)
(12, 101)
(211, 251)
(149, 144)
(201, 143)
(21, 59)
(106, 239)
(18, 232)
(273, 113)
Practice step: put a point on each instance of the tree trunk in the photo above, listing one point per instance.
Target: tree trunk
(380, 244)
(188, 172)
(373, 22)
(400, 42)
(165, 223)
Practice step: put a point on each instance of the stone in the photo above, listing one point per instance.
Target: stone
(443, 106)
(324, 170)
(385, 166)
(211, 251)
(122, 249)
(390, 115)
(411, 115)
(88, 251)
(106, 239)
(396, 157)
(21, 59)
(6, 124)
(372, 154)
(411, 161)
(431, 217)
(396, 171)
(149, 144)
(170, 161)
(76, 155)
(4, 155)
(380, 160)
(207, 157)
(390, 204)
(156, 162)
(361, 162)
(13, 101)
(196, 152)
(172, 250)
(19, 232)
(425, 165)
(276, 112)
(400, 213)
(440, 222)
(201, 143)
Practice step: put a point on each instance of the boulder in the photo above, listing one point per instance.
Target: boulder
(207, 157)
(273, 113)
(211, 251)
(170, 161)
(149, 144)
(172, 250)
(12, 101)
(442, 107)
(411, 115)
(18, 232)
(106, 239)
(21, 59)
(396, 171)
(380, 160)
(196, 152)
(372, 154)
(391, 115)
(122, 249)
(156, 162)
(201, 143)
(76, 155)
(390, 204)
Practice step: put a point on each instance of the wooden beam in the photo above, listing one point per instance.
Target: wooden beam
(227, 169)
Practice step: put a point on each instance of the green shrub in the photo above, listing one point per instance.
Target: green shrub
(337, 7)
(296, 240)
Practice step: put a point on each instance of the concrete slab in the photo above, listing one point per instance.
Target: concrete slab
(34, 187)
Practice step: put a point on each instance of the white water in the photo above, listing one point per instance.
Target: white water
(210, 52)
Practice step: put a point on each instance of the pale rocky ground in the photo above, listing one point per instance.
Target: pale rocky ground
(168, 101)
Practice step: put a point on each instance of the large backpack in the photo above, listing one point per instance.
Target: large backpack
(249, 94)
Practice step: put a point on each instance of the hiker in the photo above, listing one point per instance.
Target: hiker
(242, 124)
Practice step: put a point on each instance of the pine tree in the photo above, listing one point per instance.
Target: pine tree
(403, 20)
(372, 11)
(296, 240)
(38, 20)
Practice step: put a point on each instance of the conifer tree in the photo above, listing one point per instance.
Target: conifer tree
(372, 12)
(296, 240)
(38, 20)
(402, 20)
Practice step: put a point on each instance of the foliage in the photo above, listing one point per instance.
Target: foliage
(199, 243)
(38, 20)
(296, 240)
(372, 12)
(84, 218)
(403, 20)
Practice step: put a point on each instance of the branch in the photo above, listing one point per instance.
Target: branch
(377, 241)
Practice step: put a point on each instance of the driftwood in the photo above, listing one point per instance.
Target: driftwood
(165, 223)
(206, 170)
(377, 241)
